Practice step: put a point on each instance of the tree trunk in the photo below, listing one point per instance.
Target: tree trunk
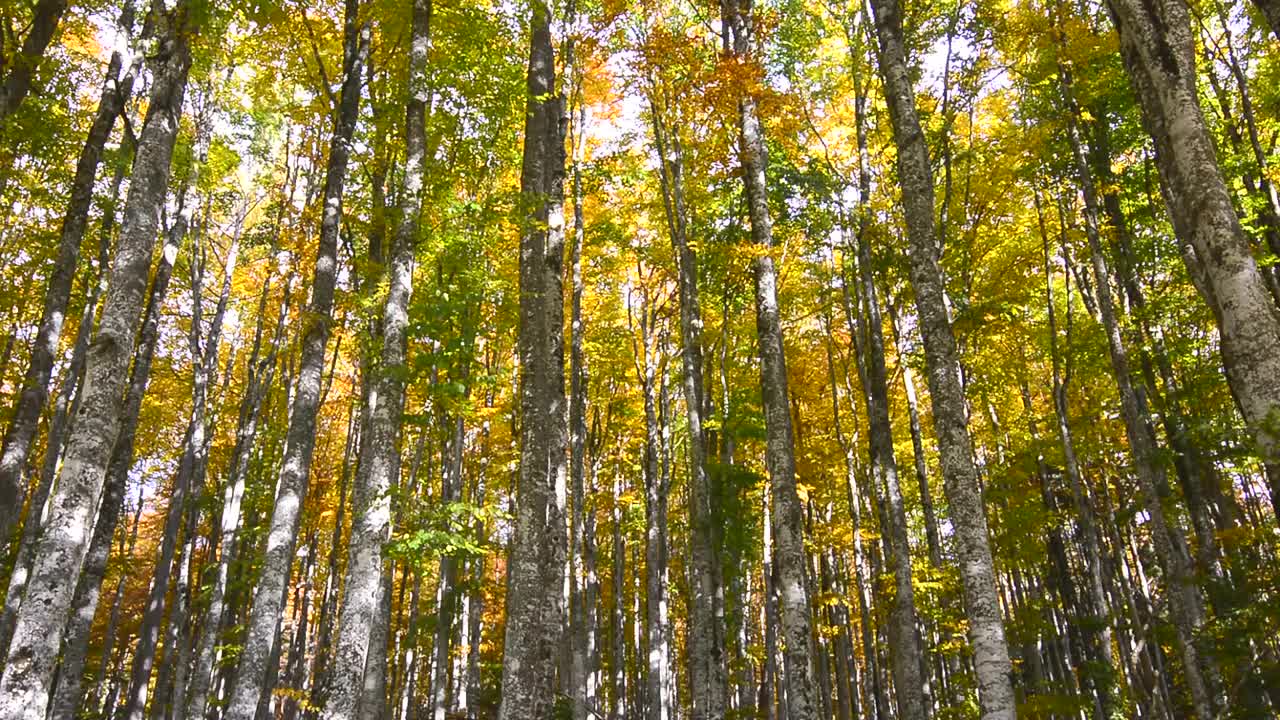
(535, 580)
(1270, 10)
(1186, 603)
(35, 387)
(915, 176)
(25, 687)
(786, 517)
(260, 634)
(707, 671)
(1098, 613)
(1158, 50)
(371, 519)
(907, 653)
(45, 17)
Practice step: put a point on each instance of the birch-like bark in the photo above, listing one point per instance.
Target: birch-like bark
(257, 387)
(977, 570)
(260, 634)
(33, 653)
(788, 523)
(1157, 46)
(122, 458)
(535, 580)
(85, 602)
(1186, 603)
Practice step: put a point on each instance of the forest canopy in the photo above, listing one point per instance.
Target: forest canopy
(663, 359)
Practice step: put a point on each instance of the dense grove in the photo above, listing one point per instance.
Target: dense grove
(778, 359)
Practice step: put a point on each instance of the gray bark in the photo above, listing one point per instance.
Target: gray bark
(371, 519)
(1270, 10)
(26, 416)
(977, 572)
(1096, 609)
(256, 390)
(1157, 46)
(25, 686)
(85, 602)
(535, 580)
(122, 457)
(269, 594)
(707, 671)
(1186, 603)
(788, 523)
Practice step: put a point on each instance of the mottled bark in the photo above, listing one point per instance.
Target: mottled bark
(707, 671)
(371, 518)
(257, 387)
(122, 459)
(915, 177)
(788, 524)
(260, 634)
(1157, 46)
(25, 687)
(535, 580)
(1186, 603)
(35, 386)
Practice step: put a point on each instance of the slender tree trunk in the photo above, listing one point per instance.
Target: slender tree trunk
(1158, 50)
(33, 653)
(257, 388)
(371, 520)
(977, 572)
(707, 672)
(907, 652)
(535, 579)
(787, 518)
(35, 387)
(260, 634)
(1098, 613)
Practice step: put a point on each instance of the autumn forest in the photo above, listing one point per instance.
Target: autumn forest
(643, 360)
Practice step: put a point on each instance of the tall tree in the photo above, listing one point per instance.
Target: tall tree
(269, 593)
(1157, 46)
(116, 90)
(535, 576)
(33, 652)
(380, 467)
(787, 517)
(977, 568)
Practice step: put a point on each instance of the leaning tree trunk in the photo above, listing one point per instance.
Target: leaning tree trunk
(906, 653)
(788, 523)
(16, 83)
(122, 459)
(269, 594)
(35, 387)
(88, 588)
(535, 580)
(256, 389)
(33, 653)
(1158, 50)
(977, 570)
